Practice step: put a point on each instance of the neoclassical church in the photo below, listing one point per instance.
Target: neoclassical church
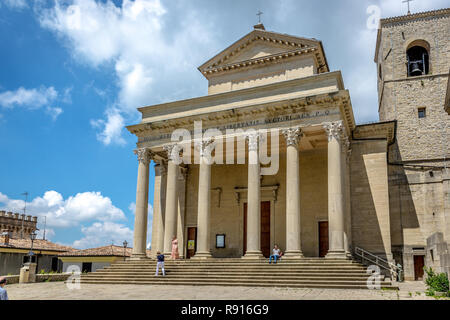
(273, 155)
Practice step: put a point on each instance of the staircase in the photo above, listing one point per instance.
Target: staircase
(305, 273)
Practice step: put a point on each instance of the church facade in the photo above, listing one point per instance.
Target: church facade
(272, 155)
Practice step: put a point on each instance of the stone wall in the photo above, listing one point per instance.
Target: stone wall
(40, 278)
(438, 253)
(11, 262)
(369, 197)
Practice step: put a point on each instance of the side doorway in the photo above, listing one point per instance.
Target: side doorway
(323, 238)
(191, 242)
(419, 263)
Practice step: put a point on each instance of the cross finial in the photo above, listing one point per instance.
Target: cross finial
(259, 14)
(408, 1)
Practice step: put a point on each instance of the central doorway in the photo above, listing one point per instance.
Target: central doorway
(265, 228)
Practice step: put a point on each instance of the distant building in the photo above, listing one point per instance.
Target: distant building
(18, 225)
(15, 252)
(89, 260)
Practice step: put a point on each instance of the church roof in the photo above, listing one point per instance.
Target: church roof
(275, 47)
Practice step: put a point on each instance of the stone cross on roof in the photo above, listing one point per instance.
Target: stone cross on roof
(259, 14)
(408, 1)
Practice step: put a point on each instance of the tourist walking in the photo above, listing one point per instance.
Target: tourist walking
(3, 293)
(175, 255)
(160, 263)
(276, 254)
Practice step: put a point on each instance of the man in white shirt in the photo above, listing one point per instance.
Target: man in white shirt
(276, 254)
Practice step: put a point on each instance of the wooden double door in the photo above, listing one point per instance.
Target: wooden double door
(265, 228)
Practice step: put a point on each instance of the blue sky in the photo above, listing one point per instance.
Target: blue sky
(72, 74)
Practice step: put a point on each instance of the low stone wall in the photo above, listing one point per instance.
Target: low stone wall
(41, 277)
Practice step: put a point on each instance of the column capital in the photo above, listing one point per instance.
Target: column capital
(292, 136)
(173, 151)
(254, 139)
(205, 146)
(334, 130)
(144, 155)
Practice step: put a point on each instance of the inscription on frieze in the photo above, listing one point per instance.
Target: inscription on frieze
(254, 123)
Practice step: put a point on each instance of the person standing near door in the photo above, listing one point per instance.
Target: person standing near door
(175, 255)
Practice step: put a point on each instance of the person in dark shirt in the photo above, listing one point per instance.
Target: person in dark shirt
(160, 263)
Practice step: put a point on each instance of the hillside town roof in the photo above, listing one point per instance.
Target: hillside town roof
(38, 244)
(106, 251)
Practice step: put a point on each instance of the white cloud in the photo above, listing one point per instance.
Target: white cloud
(111, 127)
(60, 213)
(15, 4)
(54, 113)
(104, 233)
(31, 98)
(133, 38)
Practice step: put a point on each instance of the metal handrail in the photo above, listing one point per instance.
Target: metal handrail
(366, 255)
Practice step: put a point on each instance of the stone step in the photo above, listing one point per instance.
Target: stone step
(273, 271)
(242, 265)
(240, 262)
(290, 284)
(266, 274)
(311, 273)
(233, 280)
(232, 277)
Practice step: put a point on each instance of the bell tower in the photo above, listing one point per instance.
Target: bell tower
(413, 62)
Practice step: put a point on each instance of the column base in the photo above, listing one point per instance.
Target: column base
(336, 255)
(253, 255)
(293, 255)
(202, 256)
(137, 256)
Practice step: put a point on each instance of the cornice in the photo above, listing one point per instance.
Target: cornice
(375, 131)
(339, 99)
(414, 16)
(247, 91)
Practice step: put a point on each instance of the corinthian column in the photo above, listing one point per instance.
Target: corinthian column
(141, 215)
(254, 198)
(170, 225)
(293, 230)
(336, 215)
(159, 205)
(204, 202)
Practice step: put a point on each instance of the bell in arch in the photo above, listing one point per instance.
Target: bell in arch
(415, 69)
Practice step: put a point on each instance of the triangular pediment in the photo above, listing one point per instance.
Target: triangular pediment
(260, 45)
